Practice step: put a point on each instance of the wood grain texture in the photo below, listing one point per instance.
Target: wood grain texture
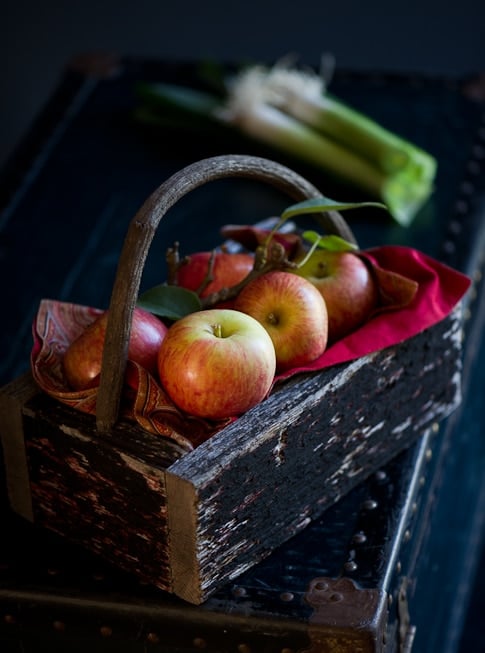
(263, 478)
(190, 522)
(106, 493)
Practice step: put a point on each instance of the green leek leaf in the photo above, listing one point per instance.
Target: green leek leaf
(291, 110)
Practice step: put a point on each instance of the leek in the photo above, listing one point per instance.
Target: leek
(291, 110)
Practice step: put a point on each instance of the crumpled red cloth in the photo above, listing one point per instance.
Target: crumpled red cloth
(416, 292)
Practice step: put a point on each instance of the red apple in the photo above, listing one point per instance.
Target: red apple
(346, 284)
(216, 363)
(228, 270)
(292, 311)
(82, 360)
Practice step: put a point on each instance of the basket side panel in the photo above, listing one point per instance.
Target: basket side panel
(182, 504)
(106, 499)
(13, 398)
(311, 443)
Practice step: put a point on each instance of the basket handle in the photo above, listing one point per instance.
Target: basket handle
(138, 240)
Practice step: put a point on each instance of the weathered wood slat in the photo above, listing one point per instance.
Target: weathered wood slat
(188, 523)
(264, 477)
(12, 401)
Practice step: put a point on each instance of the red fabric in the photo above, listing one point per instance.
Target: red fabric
(438, 288)
(416, 292)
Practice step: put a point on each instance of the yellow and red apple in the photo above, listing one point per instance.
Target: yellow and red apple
(346, 284)
(292, 311)
(216, 363)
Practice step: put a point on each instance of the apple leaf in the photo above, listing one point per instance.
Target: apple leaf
(322, 204)
(331, 243)
(168, 301)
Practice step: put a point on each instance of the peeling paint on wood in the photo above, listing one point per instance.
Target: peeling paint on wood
(190, 522)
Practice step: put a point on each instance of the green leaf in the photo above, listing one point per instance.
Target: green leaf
(171, 302)
(322, 204)
(332, 243)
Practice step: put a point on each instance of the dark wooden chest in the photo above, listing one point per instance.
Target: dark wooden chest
(349, 579)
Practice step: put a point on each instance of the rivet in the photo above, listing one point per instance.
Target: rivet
(370, 504)
(350, 566)
(243, 648)
(435, 427)
(238, 592)
(287, 596)
(321, 586)
(52, 571)
(461, 206)
(479, 152)
(106, 631)
(398, 567)
(474, 167)
(390, 600)
(153, 638)
(199, 642)
(455, 227)
(407, 535)
(422, 481)
(359, 538)
(381, 475)
(59, 625)
(429, 454)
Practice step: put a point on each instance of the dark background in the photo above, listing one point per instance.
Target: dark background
(38, 38)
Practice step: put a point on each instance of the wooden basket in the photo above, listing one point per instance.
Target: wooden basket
(189, 522)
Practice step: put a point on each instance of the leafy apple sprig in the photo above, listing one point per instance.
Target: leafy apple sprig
(172, 302)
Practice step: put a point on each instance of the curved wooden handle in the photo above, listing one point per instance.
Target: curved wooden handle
(139, 238)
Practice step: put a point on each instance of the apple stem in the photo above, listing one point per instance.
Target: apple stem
(217, 330)
(174, 263)
(209, 277)
(308, 254)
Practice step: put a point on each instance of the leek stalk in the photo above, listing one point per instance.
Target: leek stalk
(266, 123)
(325, 131)
(292, 111)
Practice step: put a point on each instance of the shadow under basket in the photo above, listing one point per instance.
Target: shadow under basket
(189, 522)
